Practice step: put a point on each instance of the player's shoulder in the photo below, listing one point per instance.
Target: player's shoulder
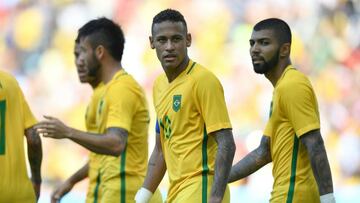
(293, 78)
(7, 77)
(297, 75)
(126, 84)
(294, 82)
(199, 73)
(8, 80)
(122, 79)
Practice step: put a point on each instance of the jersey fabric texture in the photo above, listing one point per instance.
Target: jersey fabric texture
(294, 112)
(15, 117)
(123, 105)
(188, 109)
(93, 193)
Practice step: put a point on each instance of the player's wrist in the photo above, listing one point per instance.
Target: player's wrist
(327, 198)
(69, 133)
(143, 195)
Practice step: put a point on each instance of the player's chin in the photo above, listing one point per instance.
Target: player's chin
(170, 64)
(259, 69)
(84, 79)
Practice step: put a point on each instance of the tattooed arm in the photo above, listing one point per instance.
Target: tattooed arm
(35, 158)
(252, 161)
(223, 161)
(112, 142)
(155, 173)
(156, 167)
(320, 165)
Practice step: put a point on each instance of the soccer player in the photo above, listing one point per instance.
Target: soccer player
(17, 120)
(194, 140)
(292, 138)
(122, 116)
(91, 168)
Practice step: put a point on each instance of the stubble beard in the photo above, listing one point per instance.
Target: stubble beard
(267, 65)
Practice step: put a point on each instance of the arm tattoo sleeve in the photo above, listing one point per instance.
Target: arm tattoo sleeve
(223, 162)
(34, 154)
(252, 161)
(319, 161)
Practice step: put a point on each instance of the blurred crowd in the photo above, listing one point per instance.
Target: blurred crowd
(37, 40)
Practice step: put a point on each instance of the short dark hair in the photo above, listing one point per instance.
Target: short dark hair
(105, 32)
(168, 15)
(280, 27)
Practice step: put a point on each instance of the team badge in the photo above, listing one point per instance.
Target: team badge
(176, 102)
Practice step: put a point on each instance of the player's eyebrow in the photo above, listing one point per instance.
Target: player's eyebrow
(259, 39)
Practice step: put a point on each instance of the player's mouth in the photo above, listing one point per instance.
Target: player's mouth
(169, 57)
(257, 60)
(83, 74)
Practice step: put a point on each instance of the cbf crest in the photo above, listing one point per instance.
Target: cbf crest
(176, 102)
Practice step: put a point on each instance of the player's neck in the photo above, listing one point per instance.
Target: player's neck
(275, 73)
(94, 83)
(109, 70)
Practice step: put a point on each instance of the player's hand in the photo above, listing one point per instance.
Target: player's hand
(60, 191)
(53, 128)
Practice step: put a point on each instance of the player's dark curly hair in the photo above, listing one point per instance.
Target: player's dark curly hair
(168, 15)
(280, 27)
(105, 32)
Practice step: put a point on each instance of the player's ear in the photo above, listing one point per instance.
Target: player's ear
(99, 52)
(151, 40)
(285, 50)
(188, 39)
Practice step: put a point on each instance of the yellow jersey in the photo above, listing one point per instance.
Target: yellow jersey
(294, 112)
(123, 105)
(94, 158)
(15, 117)
(188, 109)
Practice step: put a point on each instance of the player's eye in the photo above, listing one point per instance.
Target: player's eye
(264, 42)
(161, 40)
(177, 39)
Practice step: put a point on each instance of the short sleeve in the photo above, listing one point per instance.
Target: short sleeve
(29, 119)
(299, 104)
(209, 97)
(122, 104)
(269, 128)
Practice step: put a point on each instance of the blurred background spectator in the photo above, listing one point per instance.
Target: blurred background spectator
(36, 45)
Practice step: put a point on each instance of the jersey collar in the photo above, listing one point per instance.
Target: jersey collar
(118, 74)
(289, 67)
(187, 71)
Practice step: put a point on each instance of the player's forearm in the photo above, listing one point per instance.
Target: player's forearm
(156, 170)
(322, 172)
(111, 143)
(34, 154)
(223, 161)
(107, 144)
(79, 175)
(319, 161)
(252, 161)
(249, 164)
